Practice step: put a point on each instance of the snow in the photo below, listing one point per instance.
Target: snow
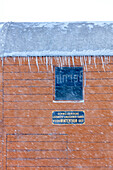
(101, 23)
(61, 53)
(56, 39)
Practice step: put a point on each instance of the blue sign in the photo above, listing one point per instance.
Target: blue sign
(69, 83)
(68, 117)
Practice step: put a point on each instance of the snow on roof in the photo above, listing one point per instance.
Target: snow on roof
(56, 38)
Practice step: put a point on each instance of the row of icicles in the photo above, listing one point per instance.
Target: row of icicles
(61, 61)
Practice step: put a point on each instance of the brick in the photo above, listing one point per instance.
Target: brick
(48, 121)
(46, 138)
(1, 125)
(38, 162)
(27, 121)
(90, 146)
(1, 116)
(57, 60)
(0, 97)
(0, 81)
(28, 90)
(91, 162)
(19, 60)
(48, 113)
(1, 65)
(86, 143)
(84, 168)
(37, 145)
(100, 67)
(1, 112)
(98, 89)
(36, 168)
(99, 75)
(51, 129)
(36, 154)
(28, 83)
(0, 160)
(24, 76)
(99, 121)
(90, 154)
(28, 98)
(26, 68)
(98, 97)
(11, 68)
(104, 82)
(27, 113)
(90, 138)
(58, 106)
(99, 113)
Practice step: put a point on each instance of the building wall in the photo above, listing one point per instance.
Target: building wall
(31, 140)
(1, 113)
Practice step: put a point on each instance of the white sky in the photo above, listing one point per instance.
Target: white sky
(56, 10)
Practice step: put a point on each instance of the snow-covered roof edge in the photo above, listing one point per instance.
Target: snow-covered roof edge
(56, 38)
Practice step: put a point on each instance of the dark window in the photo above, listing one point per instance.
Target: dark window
(69, 83)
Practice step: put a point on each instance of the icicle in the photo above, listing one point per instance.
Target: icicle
(95, 62)
(5, 58)
(85, 62)
(14, 59)
(19, 60)
(89, 59)
(52, 64)
(65, 60)
(37, 63)
(41, 59)
(47, 62)
(61, 61)
(73, 60)
(102, 63)
(69, 61)
(81, 61)
(29, 63)
(24, 59)
(106, 60)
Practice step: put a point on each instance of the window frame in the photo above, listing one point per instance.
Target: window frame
(67, 101)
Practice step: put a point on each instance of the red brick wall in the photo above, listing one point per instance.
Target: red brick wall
(31, 141)
(1, 113)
